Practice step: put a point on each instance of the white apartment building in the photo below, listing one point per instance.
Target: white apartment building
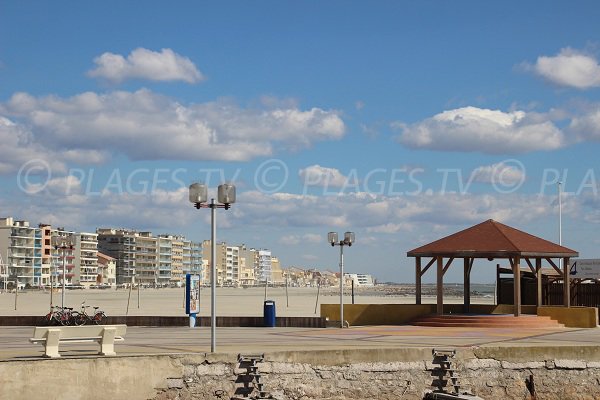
(86, 259)
(264, 271)
(21, 248)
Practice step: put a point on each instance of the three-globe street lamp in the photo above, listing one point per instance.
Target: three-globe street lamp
(63, 243)
(198, 195)
(332, 238)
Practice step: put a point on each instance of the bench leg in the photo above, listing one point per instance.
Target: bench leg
(107, 343)
(51, 345)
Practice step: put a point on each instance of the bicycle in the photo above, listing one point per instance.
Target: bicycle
(97, 318)
(53, 317)
(68, 316)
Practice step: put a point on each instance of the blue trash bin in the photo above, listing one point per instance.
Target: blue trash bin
(269, 314)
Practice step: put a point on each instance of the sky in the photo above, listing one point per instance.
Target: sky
(400, 121)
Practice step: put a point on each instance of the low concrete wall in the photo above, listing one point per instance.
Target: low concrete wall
(384, 374)
(572, 317)
(296, 322)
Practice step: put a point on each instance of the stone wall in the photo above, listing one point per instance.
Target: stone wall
(488, 378)
(491, 373)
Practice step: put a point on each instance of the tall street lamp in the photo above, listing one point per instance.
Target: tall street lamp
(198, 195)
(332, 238)
(63, 243)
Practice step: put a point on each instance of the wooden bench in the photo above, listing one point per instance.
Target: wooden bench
(104, 335)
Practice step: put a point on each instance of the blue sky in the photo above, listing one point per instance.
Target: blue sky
(401, 121)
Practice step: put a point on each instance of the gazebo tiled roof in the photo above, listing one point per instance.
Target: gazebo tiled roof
(492, 239)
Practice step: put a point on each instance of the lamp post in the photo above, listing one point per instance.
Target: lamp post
(198, 195)
(63, 243)
(332, 238)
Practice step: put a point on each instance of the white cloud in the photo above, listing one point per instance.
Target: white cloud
(299, 239)
(141, 63)
(315, 175)
(587, 126)
(498, 173)
(21, 150)
(473, 129)
(570, 67)
(144, 125)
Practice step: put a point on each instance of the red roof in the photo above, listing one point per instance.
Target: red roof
(492, 239)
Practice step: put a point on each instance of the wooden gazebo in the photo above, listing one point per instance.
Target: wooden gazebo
(491, 240)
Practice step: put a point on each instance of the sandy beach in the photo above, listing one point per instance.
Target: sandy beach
(230, 301)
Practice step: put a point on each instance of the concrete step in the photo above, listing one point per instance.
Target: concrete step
(486, 321)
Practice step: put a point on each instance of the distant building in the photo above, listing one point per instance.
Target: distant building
(107, 270)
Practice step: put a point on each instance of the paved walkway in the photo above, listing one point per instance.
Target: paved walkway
(14, 342)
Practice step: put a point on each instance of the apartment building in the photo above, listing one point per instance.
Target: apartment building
(63, 260)
(264, 270)
(227, 265)
(276, 272)
(85, 272)
(107, 270)
(165, 259)
(120, 244)
(153, 260)
(146, 259)
(21, 248)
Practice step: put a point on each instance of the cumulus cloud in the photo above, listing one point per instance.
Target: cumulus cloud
(570, 67)
(144, 125)
(19, 149)
(472, 129)
(315, 175)
(501, 172)
(587, 126)
(141, 63)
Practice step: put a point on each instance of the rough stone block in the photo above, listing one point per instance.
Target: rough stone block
(175, 383)
(570, 364)
(523, 365)
(481, 363)
(212, 370)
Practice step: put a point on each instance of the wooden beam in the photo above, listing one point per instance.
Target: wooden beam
(560, 272)
(530, 265)
(538, 276)
(448, 264)
(440, 286)
(468, 263)
(566, 282)
(517, 286)
(429, 264)
(418, 280)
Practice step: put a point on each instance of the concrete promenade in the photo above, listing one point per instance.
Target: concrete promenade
(14, 344)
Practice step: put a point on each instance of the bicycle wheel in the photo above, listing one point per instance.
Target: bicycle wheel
(63, 318)
(47, 319)
(79, 319)
(74, 318)
(99, 318)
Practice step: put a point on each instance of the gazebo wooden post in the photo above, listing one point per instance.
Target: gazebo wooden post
(418, 280)
(467, 284)
(440, 285)
(566, 282)
(538, 276)
(517, 285)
